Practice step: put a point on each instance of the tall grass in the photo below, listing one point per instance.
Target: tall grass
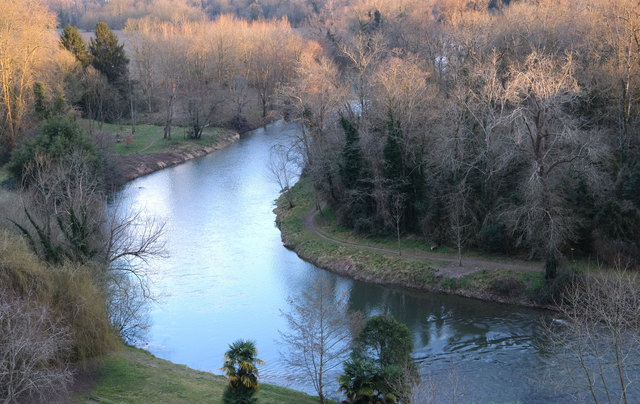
(73, 291)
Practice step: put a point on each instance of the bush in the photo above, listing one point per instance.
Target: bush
(232, 396)
(381, 368)
(57, 141)
(553, 292)
(239, 123)
(34, 350)
(69, 289)
(508, 286)
(83, 303)
(20, 270)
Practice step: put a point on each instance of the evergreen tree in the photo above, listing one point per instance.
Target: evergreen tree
(108, 56)
(392, 152)
(357, 180)
(381, 367)
(352, 159)
(59, 139)
(72, 40)
(40, 99)
(403, 178)
(632, 186)
(43, 107)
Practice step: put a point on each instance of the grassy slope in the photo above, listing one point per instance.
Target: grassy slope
(134, 376)
(153, 134)
(386, 268)
(492, 284)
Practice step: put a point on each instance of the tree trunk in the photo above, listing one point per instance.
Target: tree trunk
(167, 127)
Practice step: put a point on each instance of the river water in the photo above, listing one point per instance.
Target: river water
(228, 277)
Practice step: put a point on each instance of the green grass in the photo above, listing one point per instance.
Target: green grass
(391, 268)
(4, 174)
(329, 225)
(486, 281)
(134, 376)
(365, 264)
(149, 138)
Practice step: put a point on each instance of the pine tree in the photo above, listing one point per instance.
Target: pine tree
(357, 180)
(72, 40)
(403, 178)
(108, 56)
(353, 162)
(392, 153)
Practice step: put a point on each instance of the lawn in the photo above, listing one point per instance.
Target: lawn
(150, 138)
(134, 376)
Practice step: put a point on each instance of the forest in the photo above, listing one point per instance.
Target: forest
(501, 127)
(505, 128)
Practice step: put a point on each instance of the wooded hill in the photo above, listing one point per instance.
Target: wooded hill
(508, 128)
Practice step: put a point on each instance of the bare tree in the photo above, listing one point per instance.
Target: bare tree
(131, 237)
(35, 347)
(25, 45)
(432, 390)
(551, 138)
(170, 57)
(598, 337)
(321, 329)
(283, 168)
(363, 51)
(128, 306)
(396, 213)
(139, 34)
(459, 219)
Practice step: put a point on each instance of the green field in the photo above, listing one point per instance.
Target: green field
(150, 138)
(134, 376)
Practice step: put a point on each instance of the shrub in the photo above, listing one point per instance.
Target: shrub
(508, 286)
(34, 350)
(83, 303)
(381, 367)
(57, 141)
(231, 396)
(493, 236)
(71, 290)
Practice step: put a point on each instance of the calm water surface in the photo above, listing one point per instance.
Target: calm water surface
(228, 277)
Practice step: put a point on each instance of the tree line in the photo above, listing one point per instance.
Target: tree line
(503, 128)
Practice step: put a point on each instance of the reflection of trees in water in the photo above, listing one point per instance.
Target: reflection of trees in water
(457, 323)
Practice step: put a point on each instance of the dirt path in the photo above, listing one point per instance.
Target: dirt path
(452, 270)
(150, 144)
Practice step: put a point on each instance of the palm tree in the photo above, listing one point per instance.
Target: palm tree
(240, 366)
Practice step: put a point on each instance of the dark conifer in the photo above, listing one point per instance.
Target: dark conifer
(352, 160)
(72, 40)
(108, 56)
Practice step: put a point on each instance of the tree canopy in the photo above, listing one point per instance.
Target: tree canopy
(108, 54)
(59, 139)
(71, 39)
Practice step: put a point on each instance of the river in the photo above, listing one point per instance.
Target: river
(228, 277)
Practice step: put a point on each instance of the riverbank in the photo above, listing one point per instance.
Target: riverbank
(134, 376)
(317, 238)
(147, 151)
(133, 166)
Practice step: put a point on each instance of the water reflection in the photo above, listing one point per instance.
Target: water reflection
(228, 277)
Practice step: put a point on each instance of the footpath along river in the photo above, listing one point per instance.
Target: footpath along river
(228, 276)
